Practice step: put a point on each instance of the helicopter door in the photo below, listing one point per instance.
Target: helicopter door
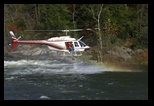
(76, 46)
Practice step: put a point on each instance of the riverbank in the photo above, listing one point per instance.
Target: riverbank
(116, 56)
(122, 55)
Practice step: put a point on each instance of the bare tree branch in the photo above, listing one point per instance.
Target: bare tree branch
(93, 13)
(100, 10)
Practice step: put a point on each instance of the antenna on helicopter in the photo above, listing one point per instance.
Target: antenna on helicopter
(80, 38)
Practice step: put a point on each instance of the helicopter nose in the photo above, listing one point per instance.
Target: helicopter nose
(87, 48)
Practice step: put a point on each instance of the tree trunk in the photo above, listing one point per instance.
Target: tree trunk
(73, 16)
(100, 52)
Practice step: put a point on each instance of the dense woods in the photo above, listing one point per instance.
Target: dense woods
(112, 24)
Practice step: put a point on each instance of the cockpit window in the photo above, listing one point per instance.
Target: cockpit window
(76, 44)
(82, 43)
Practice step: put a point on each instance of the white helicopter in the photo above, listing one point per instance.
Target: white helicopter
(64, 44)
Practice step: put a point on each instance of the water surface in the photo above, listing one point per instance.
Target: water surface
(57, 80)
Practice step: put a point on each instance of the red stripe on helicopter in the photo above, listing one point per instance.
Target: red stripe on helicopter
(42, 42)
(60, 40)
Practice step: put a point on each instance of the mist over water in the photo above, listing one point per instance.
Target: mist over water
(56, 67)
(49, 67)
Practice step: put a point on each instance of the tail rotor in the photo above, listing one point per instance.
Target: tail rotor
(13, 40)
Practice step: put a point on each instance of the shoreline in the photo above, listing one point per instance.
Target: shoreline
(137, 60)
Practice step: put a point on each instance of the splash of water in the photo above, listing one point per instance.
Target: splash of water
(54, 67)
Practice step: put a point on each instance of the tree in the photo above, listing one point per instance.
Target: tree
(96, 10)
(142, 26)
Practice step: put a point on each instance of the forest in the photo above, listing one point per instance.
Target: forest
(121, 25)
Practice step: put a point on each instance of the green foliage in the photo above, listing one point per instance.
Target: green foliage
(20, 23)
(54, 17)
(84, 17)
(121, 24)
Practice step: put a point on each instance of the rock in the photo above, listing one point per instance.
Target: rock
(122, 52)
(44, 97)
(139, 50)
(36, 51)
(129, 51)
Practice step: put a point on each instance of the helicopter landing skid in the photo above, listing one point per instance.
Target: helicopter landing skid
(71, 54)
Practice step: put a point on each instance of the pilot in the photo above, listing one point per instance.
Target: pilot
(71, 48)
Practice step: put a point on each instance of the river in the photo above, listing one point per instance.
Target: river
(28, 79)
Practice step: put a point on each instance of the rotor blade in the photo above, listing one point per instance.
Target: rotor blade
(55, 30)
(42, 30)
(58, 30)
(76, 30)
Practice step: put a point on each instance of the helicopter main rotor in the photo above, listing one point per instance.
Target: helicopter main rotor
(72, 30)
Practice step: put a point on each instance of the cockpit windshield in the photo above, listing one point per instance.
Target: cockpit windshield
(82, 43)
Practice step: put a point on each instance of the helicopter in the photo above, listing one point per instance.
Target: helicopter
(67, 45)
